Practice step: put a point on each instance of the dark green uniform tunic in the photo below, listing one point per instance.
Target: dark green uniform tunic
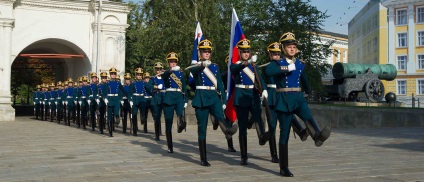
(289, 102)
(209, 96)
(174, 98)
(246, 98)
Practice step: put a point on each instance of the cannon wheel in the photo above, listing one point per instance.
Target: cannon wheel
(374, 90)
(353, 96)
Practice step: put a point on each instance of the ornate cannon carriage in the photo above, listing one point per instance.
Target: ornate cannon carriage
(350, 79)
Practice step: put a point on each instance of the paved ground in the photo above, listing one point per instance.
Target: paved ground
(32, 150)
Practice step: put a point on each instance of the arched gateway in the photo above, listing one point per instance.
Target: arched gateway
(61, 33)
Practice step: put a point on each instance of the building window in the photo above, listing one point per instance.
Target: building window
(420, 14)
(375, 43)
(401, 17)
(369, 47)
(402, 39)
(420, 36)
(358, 54)
(420, 85)
(401, 87)
(421, 61)
(375, 21)
(402, 62)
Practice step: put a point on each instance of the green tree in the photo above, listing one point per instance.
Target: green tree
(158, 27)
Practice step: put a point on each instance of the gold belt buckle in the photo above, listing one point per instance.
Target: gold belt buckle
(246, 86)
(208, 87)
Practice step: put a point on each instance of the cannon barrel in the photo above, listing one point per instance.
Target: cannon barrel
(348, 70)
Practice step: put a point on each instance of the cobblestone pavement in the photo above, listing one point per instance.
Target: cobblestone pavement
(33, 150)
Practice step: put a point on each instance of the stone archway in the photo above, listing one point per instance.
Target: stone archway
(45, 61)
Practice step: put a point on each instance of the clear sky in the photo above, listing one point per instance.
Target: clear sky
(340, 11)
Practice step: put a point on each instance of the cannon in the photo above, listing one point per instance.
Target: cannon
(350, 79)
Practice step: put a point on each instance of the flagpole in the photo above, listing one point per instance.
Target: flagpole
(99, 18)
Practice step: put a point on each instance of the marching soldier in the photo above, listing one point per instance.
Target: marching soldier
(112, 91)
(100, 100)
(126, 108)
(46, 101)
(78, 86)
(70, 94)
(175, 98)
(157, 85)
(64, 102)
(35, 98)
(209, 97)
(247, 98)
(137, 91)
(82, 95)
(58, 102)
(274, 52)
(52, 103)
(148, 97)
(289, 100)
(92, 93)
(224, 77)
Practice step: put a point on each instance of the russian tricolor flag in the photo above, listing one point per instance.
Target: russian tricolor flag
(236, 35)
(198, 36)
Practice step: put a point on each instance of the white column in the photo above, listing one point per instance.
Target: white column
(7, 113)
(411, 40)
(391, 37)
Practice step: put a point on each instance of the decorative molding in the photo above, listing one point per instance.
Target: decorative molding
(74, 5)
(7, 22)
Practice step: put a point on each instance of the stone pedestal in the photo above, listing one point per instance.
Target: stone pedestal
(7, 112)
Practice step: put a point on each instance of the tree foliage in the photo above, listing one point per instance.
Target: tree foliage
(158, 27)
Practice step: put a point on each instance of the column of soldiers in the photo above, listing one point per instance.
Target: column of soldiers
(274, 87)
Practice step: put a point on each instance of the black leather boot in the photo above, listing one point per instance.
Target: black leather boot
(262, 135)
(243, 149)
(202, 148)
(157, 132)
(134, 122)
(169, 142)
(284, 160)
(215, 123)
(124, 122)
(230, 145)
(228, 131)
(319, 136)
(181, 124)
(145, 126)
(299, 130)
(110, 127)
(273, 150)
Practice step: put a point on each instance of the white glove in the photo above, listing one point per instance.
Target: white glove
(264, 94)
(34, 103)
(224, 106)
(89, 101)
(185, 105)
(206, 63)
(254, 58)
(55, 103)
(75, 102)
(160, 86)
(106, 101)
(305, 95)
(63, 102)
(49, 103)
(292, 67)
(66, 102)
(98, 101)
(176, 68)
(79, 102)
(122, 102)
(131, 103)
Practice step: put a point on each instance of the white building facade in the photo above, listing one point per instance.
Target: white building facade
(60, 27)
